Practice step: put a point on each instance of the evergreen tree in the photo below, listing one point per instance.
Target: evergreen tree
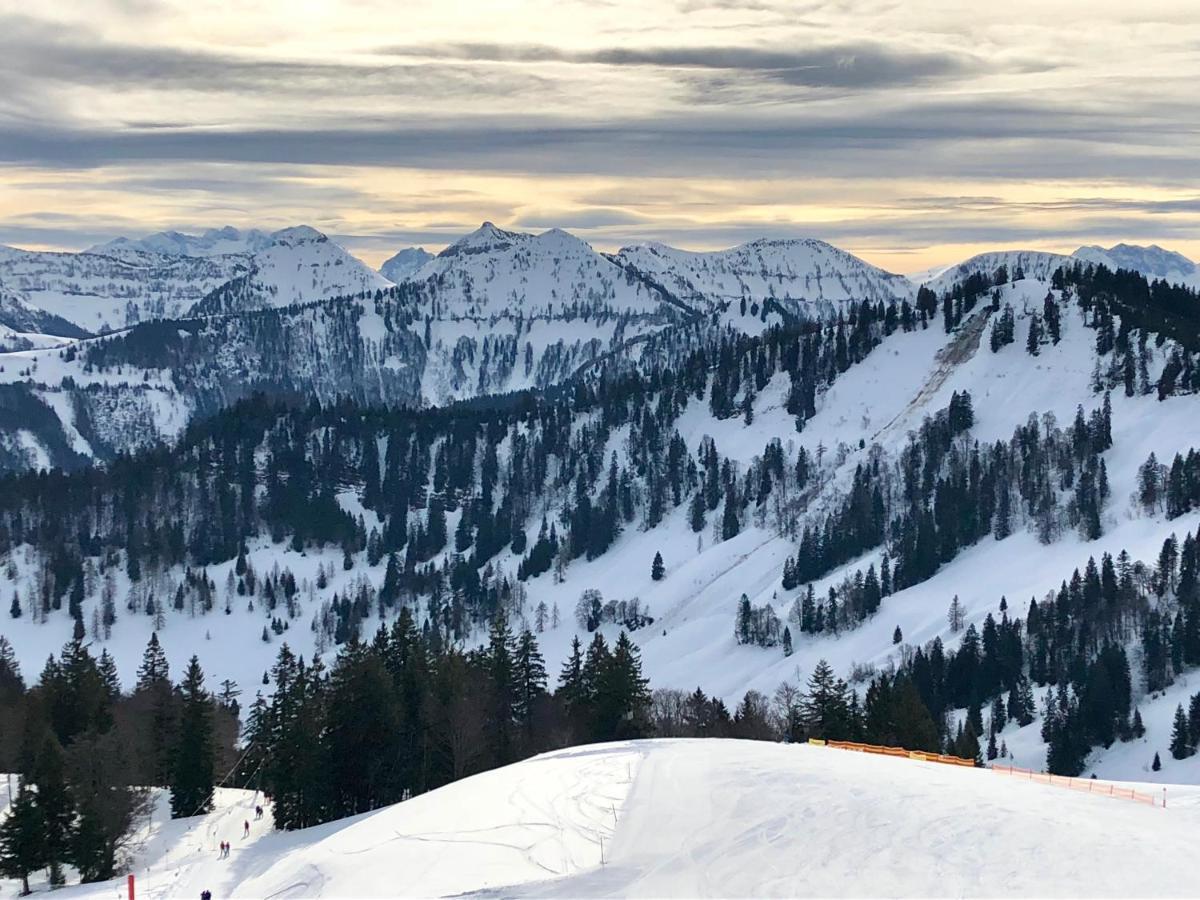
(622, 694)
(502, 701)
(529, 678)
(154, 670)
(1034, 338)
(192, 775)
(571, 688)
(1180, 745)
(361, 742)
(696, 512)
(730, 525)
(56, 806)
(22, 838)
(656, 568)
(825, 710)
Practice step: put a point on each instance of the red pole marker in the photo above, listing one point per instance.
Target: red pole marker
(130, 882)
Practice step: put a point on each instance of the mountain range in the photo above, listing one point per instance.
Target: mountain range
(292, 311)
(522, 419)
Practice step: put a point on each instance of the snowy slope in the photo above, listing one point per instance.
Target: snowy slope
(715, 818)
(99, 293)
(1152, 261)
(180, 852)
(398, 267)
(803, 271)
(1034, 263)
(213, 242)
(878, 402)
(12, 340)
(19, 315)
(492, 272)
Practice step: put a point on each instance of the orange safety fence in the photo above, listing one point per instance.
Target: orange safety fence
(1086, 785)
(900, 752)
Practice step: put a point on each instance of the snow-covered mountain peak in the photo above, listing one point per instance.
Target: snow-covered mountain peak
(301, 265)
(297, 235)
(563, 240)
(486, 238)
(496, 272)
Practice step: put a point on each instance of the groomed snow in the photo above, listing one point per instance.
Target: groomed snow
(704, 819)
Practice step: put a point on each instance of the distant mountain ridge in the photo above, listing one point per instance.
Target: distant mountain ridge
(1152, 261)
(404, 263)
(213, 242)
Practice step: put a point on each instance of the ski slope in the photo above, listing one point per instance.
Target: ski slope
(693, 818)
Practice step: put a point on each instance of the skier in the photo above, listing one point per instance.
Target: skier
(258, 813)
(206, 894)
(246, 829)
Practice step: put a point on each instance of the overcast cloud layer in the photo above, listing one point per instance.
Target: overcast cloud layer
(912, 133)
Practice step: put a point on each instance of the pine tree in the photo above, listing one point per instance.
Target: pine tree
(1180, 746)
(154, 670)
(955, 615)
(107, 807)
(622, 694)
(897, 635)
(787, 641)
(360, 745)
(22, 840)
(502, 701)
(570, 678)
(1034, 339)
(730, 525)
(192, 775)
(825, 710)
(1156, 766)
(968, 747)
(656, 568)
(530, 678)
(56, 805)
(696, 512)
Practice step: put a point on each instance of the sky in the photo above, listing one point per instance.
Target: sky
(911, 132)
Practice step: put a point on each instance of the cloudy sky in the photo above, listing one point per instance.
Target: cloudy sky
(913, 132)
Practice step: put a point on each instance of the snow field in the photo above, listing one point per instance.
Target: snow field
(709, 818)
